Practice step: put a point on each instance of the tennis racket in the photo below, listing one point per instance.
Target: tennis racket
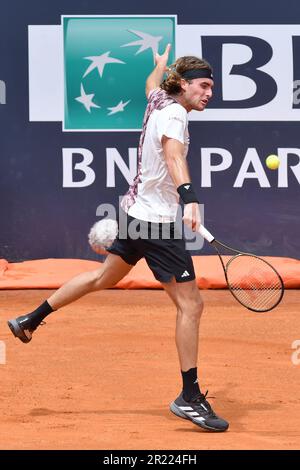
(252, 281)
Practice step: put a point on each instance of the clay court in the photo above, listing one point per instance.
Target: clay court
(116, 115)
(102, 372)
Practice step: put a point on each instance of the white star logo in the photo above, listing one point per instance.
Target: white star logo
(86, 100)
(99, 62)
(117, 109)
(147, 41)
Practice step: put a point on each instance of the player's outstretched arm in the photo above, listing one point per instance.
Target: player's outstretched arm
(178, 170)
(156, 76)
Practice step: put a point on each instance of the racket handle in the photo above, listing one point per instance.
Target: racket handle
(206, 234)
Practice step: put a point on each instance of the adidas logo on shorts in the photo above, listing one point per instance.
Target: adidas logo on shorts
(185, 274)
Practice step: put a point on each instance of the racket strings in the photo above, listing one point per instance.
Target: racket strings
(254, 282)
(260, 302)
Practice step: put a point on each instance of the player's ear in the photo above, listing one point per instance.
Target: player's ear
(184, 84)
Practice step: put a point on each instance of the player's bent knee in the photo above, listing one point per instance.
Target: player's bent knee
(104, 278)
(97, 277)
(196, 312)
(192, 311)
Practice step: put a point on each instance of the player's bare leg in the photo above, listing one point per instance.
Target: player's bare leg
(111, 272)
(191, 404)
(189, 305)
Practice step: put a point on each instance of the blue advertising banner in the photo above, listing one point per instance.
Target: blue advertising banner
(72, 80)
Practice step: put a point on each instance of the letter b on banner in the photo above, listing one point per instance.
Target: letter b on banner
(83, 167)
(263, 86)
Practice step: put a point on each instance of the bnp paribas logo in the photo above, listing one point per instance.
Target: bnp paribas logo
(106, 62)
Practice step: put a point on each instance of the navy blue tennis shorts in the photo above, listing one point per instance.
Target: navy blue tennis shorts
(161, 244)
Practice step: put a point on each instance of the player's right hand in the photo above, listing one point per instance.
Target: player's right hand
(191, 216)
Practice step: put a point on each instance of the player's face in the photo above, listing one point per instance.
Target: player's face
(197, 93)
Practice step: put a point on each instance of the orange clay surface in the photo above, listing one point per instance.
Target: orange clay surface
(101, 373)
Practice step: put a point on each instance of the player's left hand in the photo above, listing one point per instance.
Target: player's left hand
(192, 216)
(162, 60)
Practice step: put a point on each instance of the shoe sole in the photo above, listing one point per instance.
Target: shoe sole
(178, 412)
(17, 331)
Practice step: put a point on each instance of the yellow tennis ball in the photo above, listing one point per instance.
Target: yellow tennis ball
(272, 162)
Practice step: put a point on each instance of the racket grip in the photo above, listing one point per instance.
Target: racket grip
(206, 234)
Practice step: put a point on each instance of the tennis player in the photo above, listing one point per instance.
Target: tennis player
(152, 203)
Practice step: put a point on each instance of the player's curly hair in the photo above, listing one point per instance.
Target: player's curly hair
(174, 74)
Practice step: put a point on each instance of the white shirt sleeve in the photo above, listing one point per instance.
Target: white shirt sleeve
(172, 122)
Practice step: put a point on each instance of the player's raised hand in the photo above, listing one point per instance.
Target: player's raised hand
(162, 59)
